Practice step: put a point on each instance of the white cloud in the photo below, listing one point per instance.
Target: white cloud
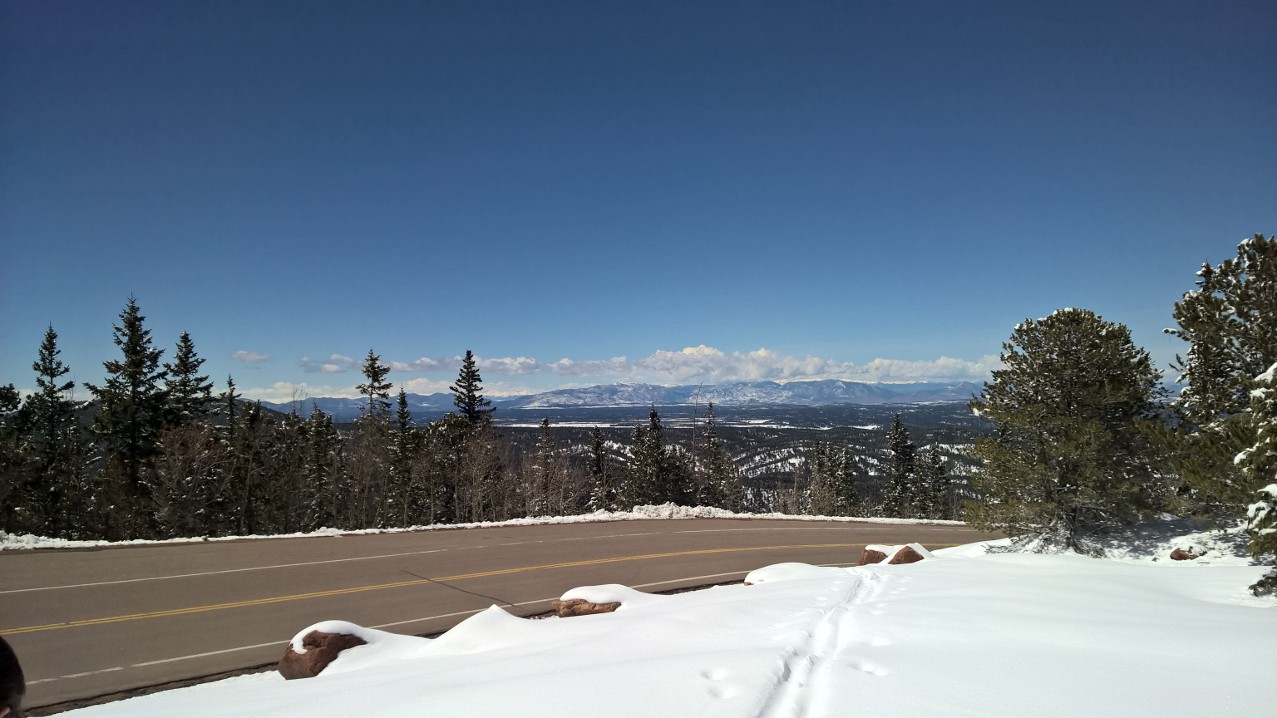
(713, 366)
(335, 364)
(508, 365)
(690, 365)
(250, 357)
(418, 365)
(284, 392)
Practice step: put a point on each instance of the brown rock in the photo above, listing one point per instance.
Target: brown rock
(321, 649)
(1180, 554)
(868, 556)
(905, 555)
(582, 607)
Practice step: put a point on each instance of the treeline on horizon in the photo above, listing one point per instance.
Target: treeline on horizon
(157, 454)
(1083, 441)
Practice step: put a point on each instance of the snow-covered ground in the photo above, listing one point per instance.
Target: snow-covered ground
(638, 513)
(965, 632)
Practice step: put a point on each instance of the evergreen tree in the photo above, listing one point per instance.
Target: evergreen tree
(189, 393)
(1230, 324)
(228, 400)
(721, 477)
(329, 487)
(59, 493)
(403, 497)
(899, 495)
(602, 492)
(542, 471)
(1259, 465)
(849, 503)
(10, 458)
(375, 388)
(933, 482)
(468, 393)
(654, 475)
(823, 483)
(1067, 455)
(131, 412)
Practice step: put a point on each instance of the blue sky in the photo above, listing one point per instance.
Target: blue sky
(675, 192)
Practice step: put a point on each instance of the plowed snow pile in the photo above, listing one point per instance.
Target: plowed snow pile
(964, 633)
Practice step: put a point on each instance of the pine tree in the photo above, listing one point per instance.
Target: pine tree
(10, 458)
(1259, 465)
(468, 393)
(229, 401)
(899, 495)
(542, 471)
(1068, 455)
(58, 494)
(325, 474)
(131, 412)
(849, 503)
(649, 473)
(403, 499)
(375, 388)
(602, 492)
(189, 393)
(823, 483)
(933, 482)
(1230, 324)
(720, 472)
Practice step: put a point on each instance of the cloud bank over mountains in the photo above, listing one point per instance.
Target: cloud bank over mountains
(691, 365)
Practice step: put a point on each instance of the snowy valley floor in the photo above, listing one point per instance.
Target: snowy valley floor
(963, 633)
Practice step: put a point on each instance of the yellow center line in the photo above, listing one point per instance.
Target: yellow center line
(402, 584)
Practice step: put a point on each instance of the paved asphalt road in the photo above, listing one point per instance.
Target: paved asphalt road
(91, 622)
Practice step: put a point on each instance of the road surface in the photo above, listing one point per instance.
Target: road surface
(92, 622)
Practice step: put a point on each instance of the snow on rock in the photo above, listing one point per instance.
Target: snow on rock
(783, 572)
(316, 648)
(894, 555)
(611, 593)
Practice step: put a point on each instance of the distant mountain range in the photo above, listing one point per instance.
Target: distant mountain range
(830, 392)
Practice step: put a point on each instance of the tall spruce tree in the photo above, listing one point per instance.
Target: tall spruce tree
(57, 492)
(543, 471)
(653, 475)
(467, 393)
(849, 503)
(131, 413)
(1230, 323)
(1068, 455)
(402, 497)
(189, 393)
(933, 483)
(900, 492)
(602, 491)
(721, 477)
(375, 388)
(10, 457)
(1259, 465)
(823, 481)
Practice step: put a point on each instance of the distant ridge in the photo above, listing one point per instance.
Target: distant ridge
(830, 392)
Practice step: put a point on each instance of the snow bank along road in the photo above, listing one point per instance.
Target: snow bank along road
(97, 621)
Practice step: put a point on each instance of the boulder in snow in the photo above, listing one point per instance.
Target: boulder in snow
(894, 555)
(318, 649)
(871, 555)
(582, 607)
(906, 554)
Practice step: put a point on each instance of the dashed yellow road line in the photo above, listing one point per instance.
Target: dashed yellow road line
(403, 584)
